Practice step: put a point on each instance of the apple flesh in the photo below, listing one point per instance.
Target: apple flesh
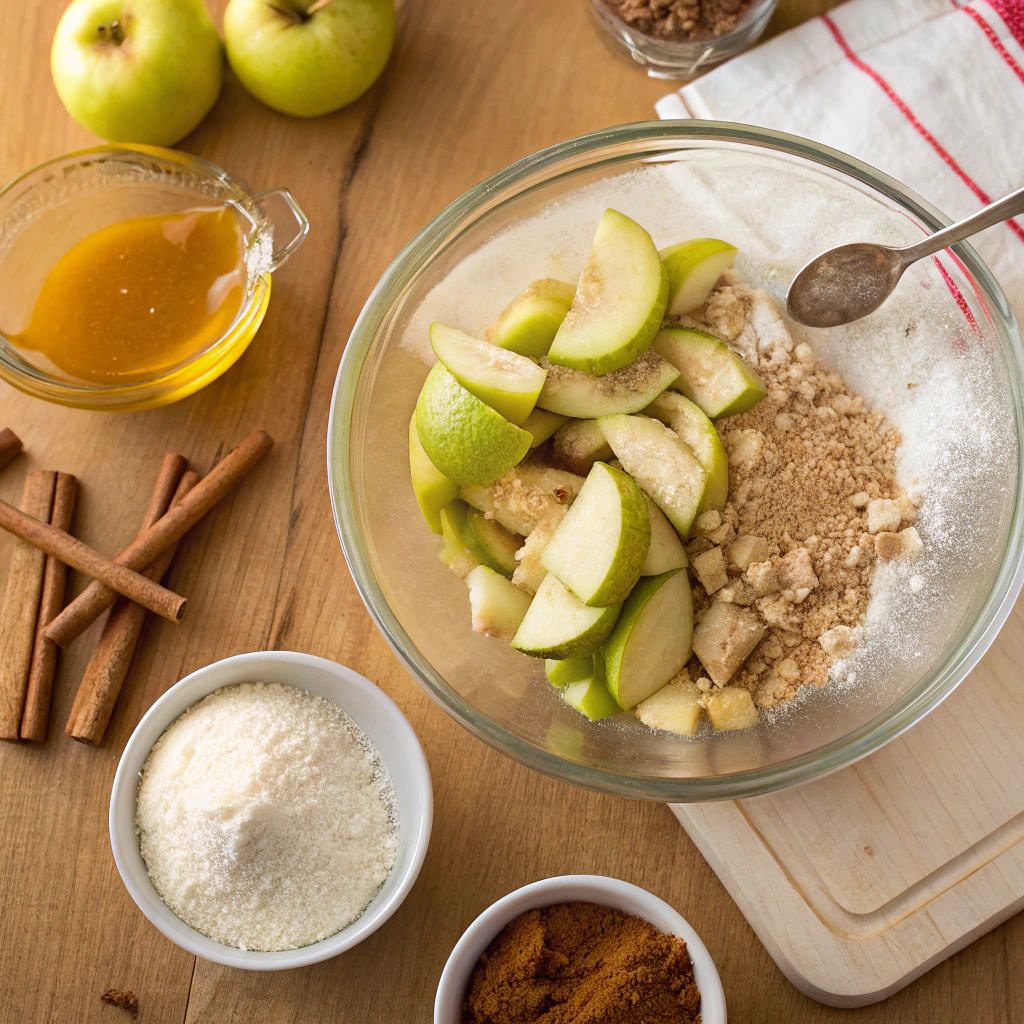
(581, 443)
(689, 421)
(498, 608)
(590, 696)
(674, 708)
(711, 375)
(569, 670)
(651, 640)
(308, 57)
(432, 488)
(694, 268)
(542, 424)
(600, 546)
(559, 626)
(495, 544)
(619, 301)
(507, 382)
(137, 70)
(587, 395)
(666, 551)
(529, 323)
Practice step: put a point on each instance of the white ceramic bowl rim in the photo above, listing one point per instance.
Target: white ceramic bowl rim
(391, 733)
(600, 889)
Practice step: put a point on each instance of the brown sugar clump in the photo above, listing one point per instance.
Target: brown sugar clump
(680, 19)
(126, 1000)
(580, 963)
(812, 481)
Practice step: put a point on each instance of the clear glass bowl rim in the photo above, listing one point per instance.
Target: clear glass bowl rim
(830, 757)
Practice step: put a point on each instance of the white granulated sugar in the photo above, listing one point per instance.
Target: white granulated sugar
(266, 817)
(943, 384)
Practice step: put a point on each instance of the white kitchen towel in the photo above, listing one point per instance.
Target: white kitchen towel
(929, 91)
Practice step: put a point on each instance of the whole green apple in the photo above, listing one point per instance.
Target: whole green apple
(137, 70)
(308, 58)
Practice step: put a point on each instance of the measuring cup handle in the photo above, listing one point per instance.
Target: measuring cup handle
(302, 224)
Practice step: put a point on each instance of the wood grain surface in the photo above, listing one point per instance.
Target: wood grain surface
(471, 87)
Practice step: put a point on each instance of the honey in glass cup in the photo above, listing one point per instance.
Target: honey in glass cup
(132, 275)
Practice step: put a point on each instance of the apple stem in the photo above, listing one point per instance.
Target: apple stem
(316, 7)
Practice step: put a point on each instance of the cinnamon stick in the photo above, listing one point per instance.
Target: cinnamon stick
(109, 664)
(71, 551)
(143, 551)
(10, 445)
(21, 607)
(36, 716)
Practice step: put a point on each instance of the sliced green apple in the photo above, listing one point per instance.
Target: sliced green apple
(432, 488)
(689, 421)
(666, 551)
(509, 383)
(710, 373)
(568, 670)
(581, 443)
(527, 495)
(590, 696)
(651, 640)
(694, 268)
(559, 626)
(600, 546)
(619, 302)
(498, 607)
(661, 463)
(530, 321)
(495, 544)
(467, 440)
(455, 553)
(586, 395)
(542, 424)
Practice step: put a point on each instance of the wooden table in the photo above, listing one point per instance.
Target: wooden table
(471, 87)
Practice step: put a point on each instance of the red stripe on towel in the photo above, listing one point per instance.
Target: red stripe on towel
(910, 116)
(958, 295)
(995, 41)
(1012, 13)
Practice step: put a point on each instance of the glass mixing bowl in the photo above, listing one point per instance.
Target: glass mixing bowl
(53, 206)
(947, 341)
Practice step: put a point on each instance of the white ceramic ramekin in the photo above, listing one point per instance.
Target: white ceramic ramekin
(372, 710)
(608, 892)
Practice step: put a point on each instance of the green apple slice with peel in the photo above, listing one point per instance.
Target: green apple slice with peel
(559, 626)
(432, 488)
(530, 321)
(651, 640)
(666, 551)
(694, 268)
(568, 670)
(496, 544)
(619, 302)
(600, 546)
(506, 381)
(586, 395)
(467, 440)
(542, 424)
(454, 551)
(690, 422)
(661, 463)
(498, 607)
(710, 373)
(590, 696)
(581, 443)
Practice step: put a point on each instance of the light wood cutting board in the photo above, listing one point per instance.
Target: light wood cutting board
(864, 880)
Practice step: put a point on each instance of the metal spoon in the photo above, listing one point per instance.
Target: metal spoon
(849, 282)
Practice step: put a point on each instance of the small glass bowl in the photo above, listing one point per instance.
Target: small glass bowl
(53, 206)
(681, 58)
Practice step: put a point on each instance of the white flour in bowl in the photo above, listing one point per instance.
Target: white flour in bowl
(266, 817)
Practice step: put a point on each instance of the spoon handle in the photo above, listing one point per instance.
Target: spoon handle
(995, 213)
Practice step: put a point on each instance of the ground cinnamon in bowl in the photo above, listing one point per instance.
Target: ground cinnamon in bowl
(581, 963)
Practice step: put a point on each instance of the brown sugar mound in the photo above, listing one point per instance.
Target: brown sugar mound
(124, 999)
(680, 19)
(813, 503)
(580, 963)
